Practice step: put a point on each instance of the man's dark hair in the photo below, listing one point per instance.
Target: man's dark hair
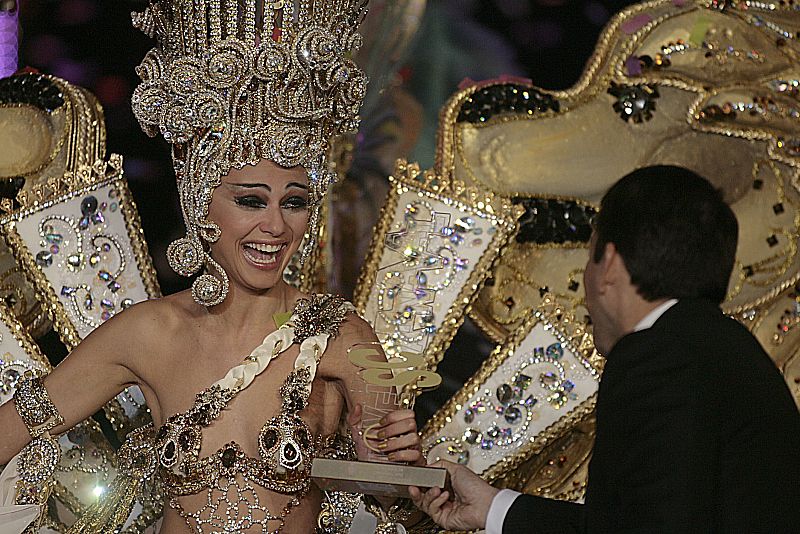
(674, 232)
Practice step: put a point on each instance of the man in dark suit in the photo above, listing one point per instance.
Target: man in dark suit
(696, 429)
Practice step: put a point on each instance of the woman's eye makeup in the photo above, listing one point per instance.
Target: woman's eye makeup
(253, 201)
(295, 203)
(250, 201)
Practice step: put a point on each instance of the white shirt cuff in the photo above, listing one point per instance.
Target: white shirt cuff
(498, 510)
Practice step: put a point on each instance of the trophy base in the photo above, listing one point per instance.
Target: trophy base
(375, 478)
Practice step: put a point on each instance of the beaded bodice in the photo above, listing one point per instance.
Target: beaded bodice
(286, 446)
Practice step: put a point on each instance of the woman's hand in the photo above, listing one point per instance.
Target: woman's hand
(395, 435)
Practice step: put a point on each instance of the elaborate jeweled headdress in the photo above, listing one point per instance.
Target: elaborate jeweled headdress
(231, 82)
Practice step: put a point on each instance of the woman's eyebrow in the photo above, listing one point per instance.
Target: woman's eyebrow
(251, 186)
(267, 187)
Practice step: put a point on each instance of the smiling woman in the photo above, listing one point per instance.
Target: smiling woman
(263, 215)
(248, 93)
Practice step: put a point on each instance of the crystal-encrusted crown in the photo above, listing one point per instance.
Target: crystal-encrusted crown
(231, 82)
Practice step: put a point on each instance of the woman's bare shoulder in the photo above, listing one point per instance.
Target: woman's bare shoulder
(162, 314)
(145, 325)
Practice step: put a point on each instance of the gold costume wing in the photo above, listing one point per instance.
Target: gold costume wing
(73, 243)
(711, 86)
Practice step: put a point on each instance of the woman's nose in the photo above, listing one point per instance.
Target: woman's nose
(271, 221)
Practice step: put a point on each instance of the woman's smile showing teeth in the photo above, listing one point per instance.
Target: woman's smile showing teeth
(262, 254)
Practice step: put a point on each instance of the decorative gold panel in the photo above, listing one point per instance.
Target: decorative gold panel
(84, 253)
(528, 393)
(72, 227)
(710, 86)
(432, 249)
(718, 93)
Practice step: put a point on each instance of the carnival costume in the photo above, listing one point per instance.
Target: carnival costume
(286, 446)
(231, 83)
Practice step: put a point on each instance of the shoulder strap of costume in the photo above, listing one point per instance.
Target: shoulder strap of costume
(313, 322)
(319, 314)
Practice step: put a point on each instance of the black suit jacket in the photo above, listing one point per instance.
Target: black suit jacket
(696, 432)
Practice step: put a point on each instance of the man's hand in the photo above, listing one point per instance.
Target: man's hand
(471, 503)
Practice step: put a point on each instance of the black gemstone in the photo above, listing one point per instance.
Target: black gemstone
(229, 457)
(778, 208)
(554, 221)
(543, 291)
(505, 393)
(758, 184)
(573, 285)
(169, 450)
(201, 416)
(772, 240)
(289, 452)
(302, 437)
(634, 102)
(9, 187)
(185, 439)
(748, 271)
(269, 438)
(89, 205)
(297, 402)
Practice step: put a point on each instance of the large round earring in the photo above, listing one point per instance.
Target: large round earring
(208, 290)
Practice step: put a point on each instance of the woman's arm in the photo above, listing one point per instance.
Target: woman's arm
(92, 374)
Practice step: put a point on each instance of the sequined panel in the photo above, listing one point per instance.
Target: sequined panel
(511, 98)
(425, 266)
(81, 247)
(528, 389)
(87, 264)
(554, 221)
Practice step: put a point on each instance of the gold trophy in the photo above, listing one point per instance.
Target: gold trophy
(386, 386)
